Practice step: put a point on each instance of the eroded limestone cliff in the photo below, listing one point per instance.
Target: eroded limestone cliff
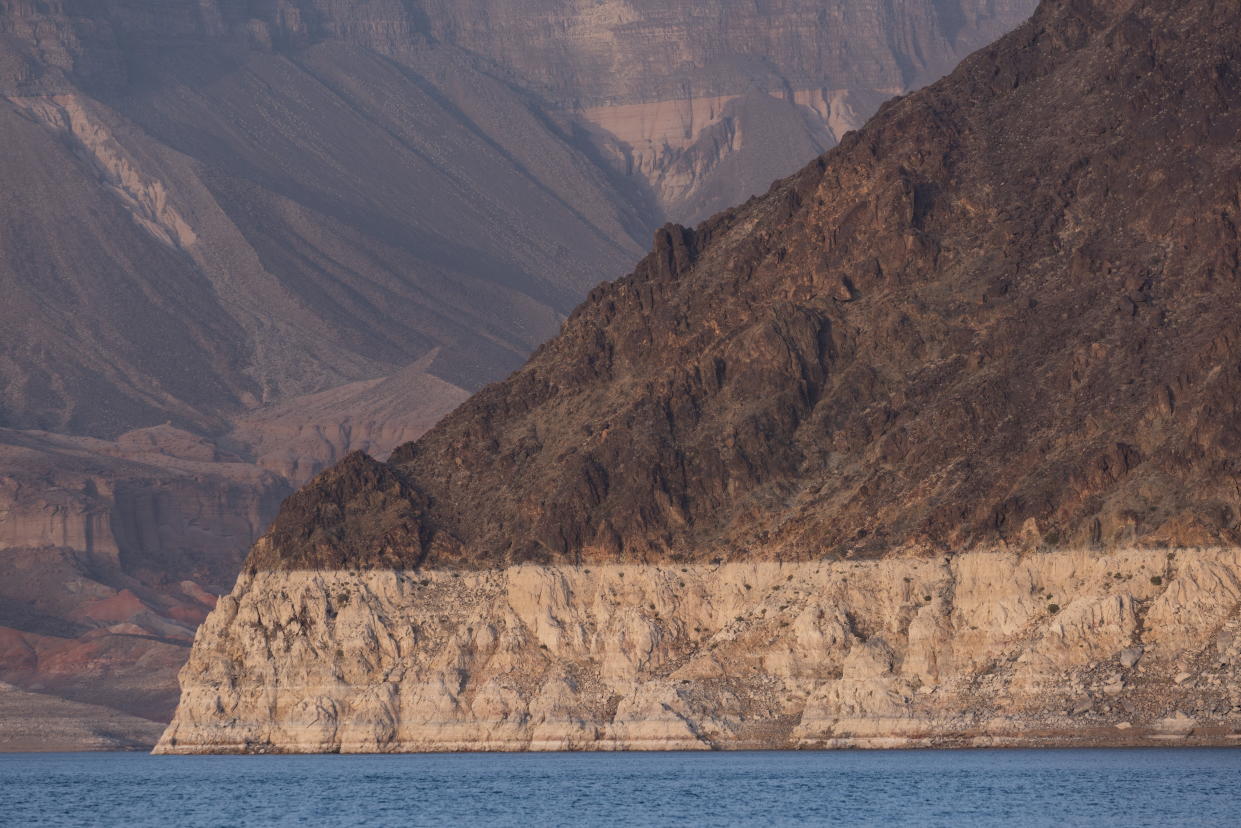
(985, 649)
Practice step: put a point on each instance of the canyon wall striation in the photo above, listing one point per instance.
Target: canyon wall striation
(113, 553)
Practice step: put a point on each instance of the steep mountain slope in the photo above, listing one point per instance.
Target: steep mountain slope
(248, 237)
(271, 232)
(1001, 309)
(940, 434)
(252, 203)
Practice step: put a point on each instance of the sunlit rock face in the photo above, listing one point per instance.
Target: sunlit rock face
(984, 649)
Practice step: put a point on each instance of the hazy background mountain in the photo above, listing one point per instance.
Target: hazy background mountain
(240, 238)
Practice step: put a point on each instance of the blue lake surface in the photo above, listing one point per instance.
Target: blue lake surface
(957, 788)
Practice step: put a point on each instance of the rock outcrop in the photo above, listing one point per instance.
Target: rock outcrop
(934, 444)
(1000, 313)
(1133, 647)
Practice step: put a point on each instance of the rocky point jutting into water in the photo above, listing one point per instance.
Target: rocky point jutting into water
(240, 239)
(935, 443)
(984, 649)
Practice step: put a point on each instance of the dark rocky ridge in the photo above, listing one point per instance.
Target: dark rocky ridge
(1004, 312)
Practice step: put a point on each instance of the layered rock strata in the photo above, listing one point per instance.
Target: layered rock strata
(113, 553)
(707, 103)
(1133, 647)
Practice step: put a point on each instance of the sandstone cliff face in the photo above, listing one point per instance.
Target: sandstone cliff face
(158, 499)
(1134, 647)
(931, 445)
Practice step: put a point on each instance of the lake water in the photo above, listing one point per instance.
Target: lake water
(958, 788)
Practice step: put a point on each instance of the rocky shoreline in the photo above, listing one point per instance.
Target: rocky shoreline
(986, 649)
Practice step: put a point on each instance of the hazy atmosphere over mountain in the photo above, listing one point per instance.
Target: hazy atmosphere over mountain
(240, 239)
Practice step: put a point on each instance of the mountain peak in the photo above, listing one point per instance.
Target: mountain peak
(999, 314)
